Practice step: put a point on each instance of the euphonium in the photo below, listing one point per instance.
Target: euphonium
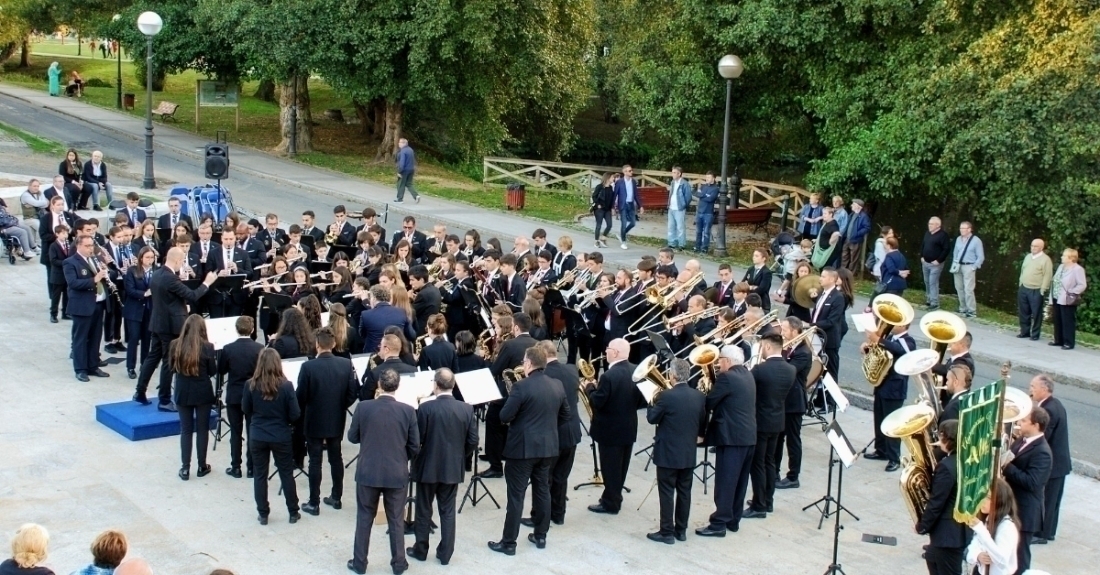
(891, 310)
(511, 376)
(704, 357)
(588, 375)
(912, 424)
(434, 271)
(648, 370)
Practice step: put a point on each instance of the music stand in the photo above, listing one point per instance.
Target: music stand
(648, 450)
(842, 449)
(825, 503)
(478, 389)
(350, 251)
(277, 302)
(224, 285)
(221, 332)
(708, 469)
(309, 242)
(164, 234)
(316, 267)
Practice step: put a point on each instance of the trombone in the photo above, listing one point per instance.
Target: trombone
(692, 316)
(752, 328)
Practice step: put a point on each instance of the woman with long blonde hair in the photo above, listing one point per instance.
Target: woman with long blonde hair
(191, 357)
(399, 297)
(348, 340)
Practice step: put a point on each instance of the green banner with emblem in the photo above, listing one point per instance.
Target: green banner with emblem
(979, 419)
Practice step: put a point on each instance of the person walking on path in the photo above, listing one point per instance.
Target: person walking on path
(406, 167)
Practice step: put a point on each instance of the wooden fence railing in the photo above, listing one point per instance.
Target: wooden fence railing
(581, 178)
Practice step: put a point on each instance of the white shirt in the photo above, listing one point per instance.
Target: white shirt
(96, 169)
(100, 290)
(1000, 548)
(674, 198)
(821, 302)
(628, 185)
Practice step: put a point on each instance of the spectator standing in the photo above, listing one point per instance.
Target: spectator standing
(28, 552)
(967, 258)
(406, 167)
(894, 270)
(1036, 272)
(679, 198)
(934, 250)
(879, 251)
(108, 551)
(55, 79)
(857, 228)
(1068, 286)
(839, 213)
(809, 219)
(704, 212)
(1057, 436)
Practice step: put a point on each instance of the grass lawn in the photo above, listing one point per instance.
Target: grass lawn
(36, 144)
(53, 47)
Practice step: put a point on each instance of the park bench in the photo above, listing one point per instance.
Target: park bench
(166, 110)
(756, 217)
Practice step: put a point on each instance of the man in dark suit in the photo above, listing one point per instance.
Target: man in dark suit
(326, 389)
(345, 231)
(774, 378)
(681, 418)
(229, 260)
(415, 237)
(615, 404)
(272, 236)
(237, 360)
(134, 215)
(388, 438)
(390, 353)
(618, 319)
(1026, 467)
(801, 357)
(448, 436)
(59, 190)
(732, 433)
(947, 538)
(569, 432)
(627, 204)
(828, 316)
(890, 395)
(56, 216)
(87, 288)
(510, 356)
(170, 300)
(1057, 436)
(759, 278)
(427, 301)
(174, 216)
(534, 410)
(510, 284)
(724, 287)
(309, 227)
(455, 293)
(374, 321)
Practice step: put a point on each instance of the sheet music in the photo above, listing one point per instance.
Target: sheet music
(360, 363)
(477, 387)
(291, 369)
(648, 389)
(839, 441)
(864, 322)
(222, 331)
(324, 318)
(414, 387)
(835, 392)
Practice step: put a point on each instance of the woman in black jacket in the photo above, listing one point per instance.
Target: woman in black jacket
(272, 407)
(294, 338)
(191, 357)
(603, 200)
(72, 170)
(137, 307)
(348, 340)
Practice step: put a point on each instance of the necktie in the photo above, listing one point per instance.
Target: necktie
(1016, 447)
(147, 277)
(65, 248)
(175, 220)
(133, 217)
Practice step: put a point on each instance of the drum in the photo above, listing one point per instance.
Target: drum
(817, 369)
(557, 323)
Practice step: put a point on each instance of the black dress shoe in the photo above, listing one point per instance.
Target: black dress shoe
(751, 513)
(503, 548)
(262, 519)
(787, 483)
(558, 521)
(666, 539)
(769, 509)
(140, 398)
(131, 374)
(248, 474)
(1055, 343)
(53, 320)
(294, 517)
(167, 407)
(1067, 347)
(110, 348)
(892, 466)
(66, 317)
(398, 570)
(1036, 338)
(99, 373)
(351, 567)
(103, 364)
(411, 552)
(527, 522)
(185, 473)
(81, 376)
(709, 531)
(443, 561)
(539, 542)
(333, 503)
(204, 470)
(875, 456)
(491, 474)
(1022, 335)
(1038, 541)
(311, 509)
(234, 472)
(681, 536)
(599, 508)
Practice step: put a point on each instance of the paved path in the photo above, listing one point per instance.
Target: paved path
(262, 183)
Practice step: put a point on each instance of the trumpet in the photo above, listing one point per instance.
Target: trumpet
(692, 316)
(434, 270)
(589, 298)
(333, 234)
(447, 284)
(719, 333)
(536, 279)
(579, 279)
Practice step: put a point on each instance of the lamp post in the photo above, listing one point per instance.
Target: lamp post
(729, 67)
(118, 54)
(150, 24)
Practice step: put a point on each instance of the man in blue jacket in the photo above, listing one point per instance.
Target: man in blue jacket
(679, 198)
(406, 167)
(859, 225)
(704, 212)
(84, 276)
(373, 322)
(627, 203)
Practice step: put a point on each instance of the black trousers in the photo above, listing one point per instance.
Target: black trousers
(764, 471)
(518, 473)
(1029, 306)
(674, 490)
(237, 422)
(158, 353)
(87, 334)
(604, 217)
(559, 482)
(1053, 501)
(496, 434)
(393, 501)
(137, 335)
(732, 464)
(315, 445)
(1065, 324)
(59, 297)
(444, 495)
(1023, 552)
(112, 323)
(792, 437)
(261, 455)
(614, 464)
(944, 560)
(194, 419)
(887, 446)
(832, 361)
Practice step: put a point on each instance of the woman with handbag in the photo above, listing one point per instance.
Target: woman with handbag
(1065, 295)
(603, 199)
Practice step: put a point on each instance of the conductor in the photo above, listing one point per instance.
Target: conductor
(387, 435)
(170, 298)
(615, 404)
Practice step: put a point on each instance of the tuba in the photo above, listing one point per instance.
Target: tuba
(919, 363)
(891, 310)
(942, 328)
(648, 370)
(704, 357)
(912, 424)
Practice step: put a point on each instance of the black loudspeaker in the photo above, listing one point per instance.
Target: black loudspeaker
(217, 161)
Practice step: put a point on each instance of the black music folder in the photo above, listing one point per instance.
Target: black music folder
(277, 302)
(309, 242)
(319, 266)
(229, 283)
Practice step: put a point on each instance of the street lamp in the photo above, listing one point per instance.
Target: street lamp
(115, 18)
(150, 24)
(729, 67)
